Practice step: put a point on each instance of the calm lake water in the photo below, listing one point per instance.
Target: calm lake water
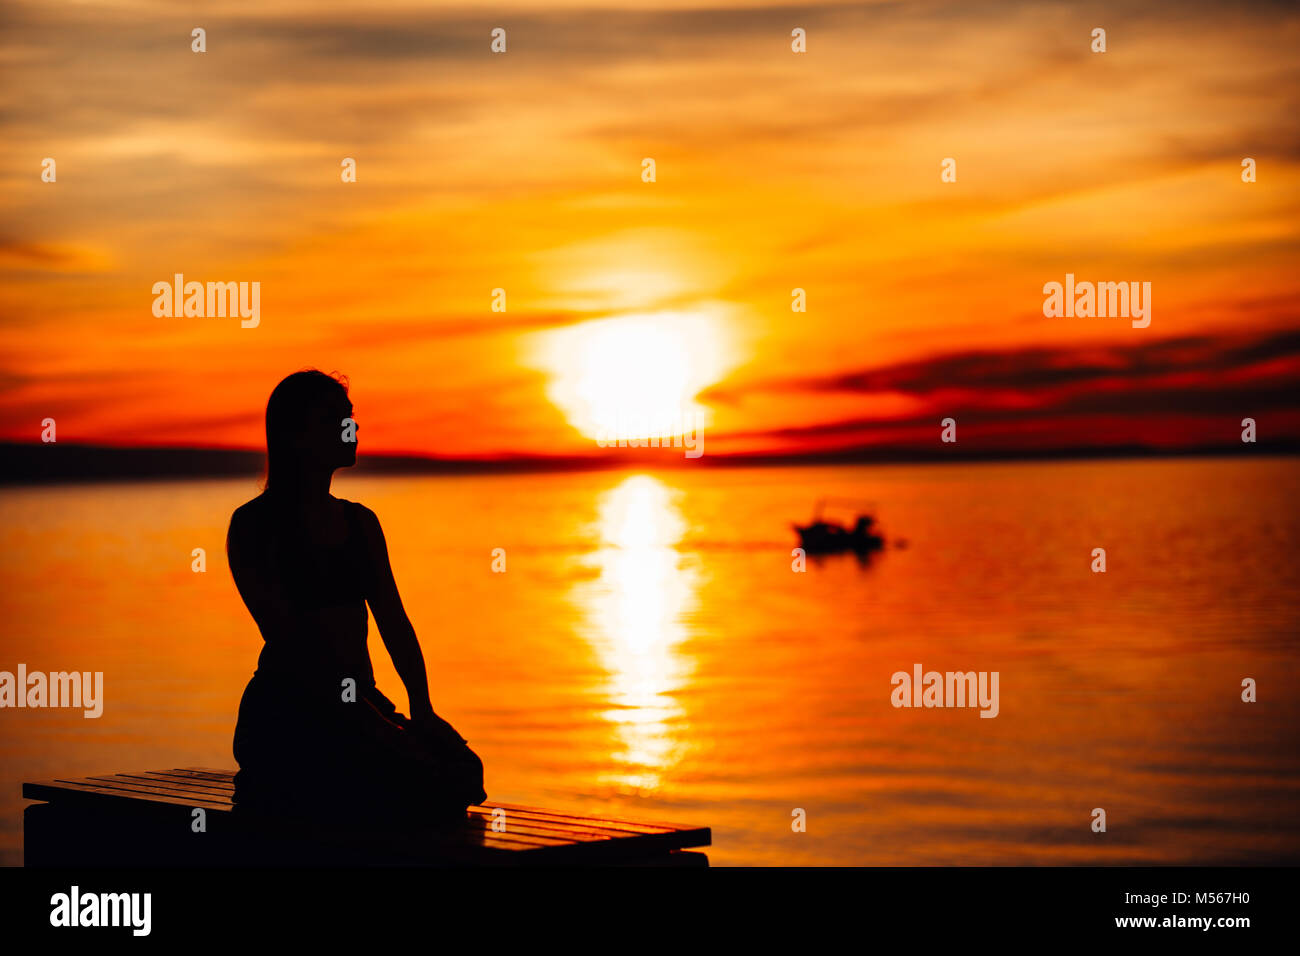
(650, 651)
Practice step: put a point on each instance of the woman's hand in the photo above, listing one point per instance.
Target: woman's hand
(426, 722)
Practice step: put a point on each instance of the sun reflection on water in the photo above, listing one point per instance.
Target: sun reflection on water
(635, 608)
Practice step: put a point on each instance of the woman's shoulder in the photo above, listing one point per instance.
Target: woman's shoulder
(248, 524)
(355, 510)
(364, 530)
(250, 512)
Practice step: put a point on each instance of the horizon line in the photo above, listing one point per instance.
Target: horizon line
(56, 462)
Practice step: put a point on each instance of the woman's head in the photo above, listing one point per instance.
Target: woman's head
(305, 432)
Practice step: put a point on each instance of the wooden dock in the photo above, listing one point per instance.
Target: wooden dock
(147, 819)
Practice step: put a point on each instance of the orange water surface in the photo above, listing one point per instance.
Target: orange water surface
(650, 650)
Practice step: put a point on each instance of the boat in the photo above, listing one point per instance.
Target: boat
(830, 537)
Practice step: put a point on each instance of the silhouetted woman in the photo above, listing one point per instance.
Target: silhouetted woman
(307, 564)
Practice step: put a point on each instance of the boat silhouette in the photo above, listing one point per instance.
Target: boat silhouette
(821, 536)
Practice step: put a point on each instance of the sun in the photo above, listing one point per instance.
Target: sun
(635, 376)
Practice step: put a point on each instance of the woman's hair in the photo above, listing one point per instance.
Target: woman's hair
(290, 409)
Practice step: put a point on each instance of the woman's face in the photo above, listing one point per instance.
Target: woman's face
(345, 433)
(330, 436)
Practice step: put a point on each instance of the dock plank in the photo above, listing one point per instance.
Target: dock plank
(164, 800)
(518, 819)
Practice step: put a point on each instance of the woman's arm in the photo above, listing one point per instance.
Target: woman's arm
(394, 626)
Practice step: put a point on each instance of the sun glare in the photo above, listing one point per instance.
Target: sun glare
(636, 610)
(635, 376)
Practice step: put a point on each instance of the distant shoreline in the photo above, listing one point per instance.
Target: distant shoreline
(38, 464)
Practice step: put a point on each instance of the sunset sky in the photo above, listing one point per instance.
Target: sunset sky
(775, 171)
